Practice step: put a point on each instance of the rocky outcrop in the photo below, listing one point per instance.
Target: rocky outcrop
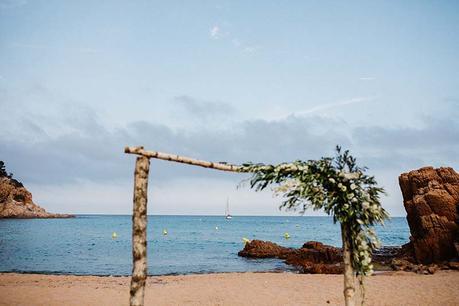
(264, 249)
(16, 202)
(431, 200)
(316, 257)
(312, 257)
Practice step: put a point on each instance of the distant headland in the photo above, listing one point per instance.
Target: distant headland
(16, 201)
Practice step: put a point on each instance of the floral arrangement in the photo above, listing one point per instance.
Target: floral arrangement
(340, 188)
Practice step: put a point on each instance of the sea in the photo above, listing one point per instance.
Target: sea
(194, 244)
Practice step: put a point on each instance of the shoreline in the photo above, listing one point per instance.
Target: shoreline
(234, 288)
(154, 275)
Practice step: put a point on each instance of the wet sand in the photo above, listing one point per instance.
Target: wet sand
(393, 288)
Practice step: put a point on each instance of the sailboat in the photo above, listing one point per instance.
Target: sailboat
(227, 214)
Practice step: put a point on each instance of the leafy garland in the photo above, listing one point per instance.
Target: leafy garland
(336, 185)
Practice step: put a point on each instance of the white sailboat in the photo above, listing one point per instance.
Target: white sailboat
(227, 213)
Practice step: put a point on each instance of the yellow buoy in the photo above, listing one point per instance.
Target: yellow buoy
(164, 232)
(286, 235)
(114, 235)
(245, 240)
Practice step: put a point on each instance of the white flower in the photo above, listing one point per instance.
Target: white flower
(365, 205)
(343, 188)
(332, 180)
(350, 195)
(353, 186)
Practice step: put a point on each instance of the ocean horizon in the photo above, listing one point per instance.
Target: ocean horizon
(194, 244)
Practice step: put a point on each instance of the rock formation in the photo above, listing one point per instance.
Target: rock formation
(312, 257)
(16, 201)
(431, 200)
(316, 257)
(264, 249)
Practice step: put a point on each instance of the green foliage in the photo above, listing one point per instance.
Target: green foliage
(336, 185)
(3, 172)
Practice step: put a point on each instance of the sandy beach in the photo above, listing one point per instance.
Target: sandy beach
(394, 288)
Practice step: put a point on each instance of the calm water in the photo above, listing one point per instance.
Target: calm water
(84, 245)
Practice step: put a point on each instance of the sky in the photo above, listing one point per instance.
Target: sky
(235, 81)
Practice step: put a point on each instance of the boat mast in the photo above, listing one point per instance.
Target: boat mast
(227, 207)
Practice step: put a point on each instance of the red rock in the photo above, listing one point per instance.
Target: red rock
(313, 257)
(320, 252)
(316, 257)
(320, 268)
(16, 202)
(431, 200)
(264, 249)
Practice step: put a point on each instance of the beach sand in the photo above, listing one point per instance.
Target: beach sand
(392, 288)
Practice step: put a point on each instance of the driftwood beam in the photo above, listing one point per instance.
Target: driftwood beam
(182, 159)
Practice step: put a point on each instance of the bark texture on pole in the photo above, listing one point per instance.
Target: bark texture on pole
(182, 159)
(139, 231)
(349, 277)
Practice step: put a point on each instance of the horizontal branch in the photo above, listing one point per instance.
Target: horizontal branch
(182, 159)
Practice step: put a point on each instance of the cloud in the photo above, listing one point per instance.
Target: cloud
(215, 32)
(85, 149)
(435, 143)
(333, 105)
(367, 78)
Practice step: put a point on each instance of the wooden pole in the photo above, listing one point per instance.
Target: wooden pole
(182, 159)
(139, 231)
(349, 278)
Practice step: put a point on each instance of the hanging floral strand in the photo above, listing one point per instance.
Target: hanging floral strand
(343, 190)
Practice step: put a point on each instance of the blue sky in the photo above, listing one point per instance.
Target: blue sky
(221, 80)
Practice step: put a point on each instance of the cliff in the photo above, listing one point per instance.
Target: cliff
(16, 201)
(431, 200)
